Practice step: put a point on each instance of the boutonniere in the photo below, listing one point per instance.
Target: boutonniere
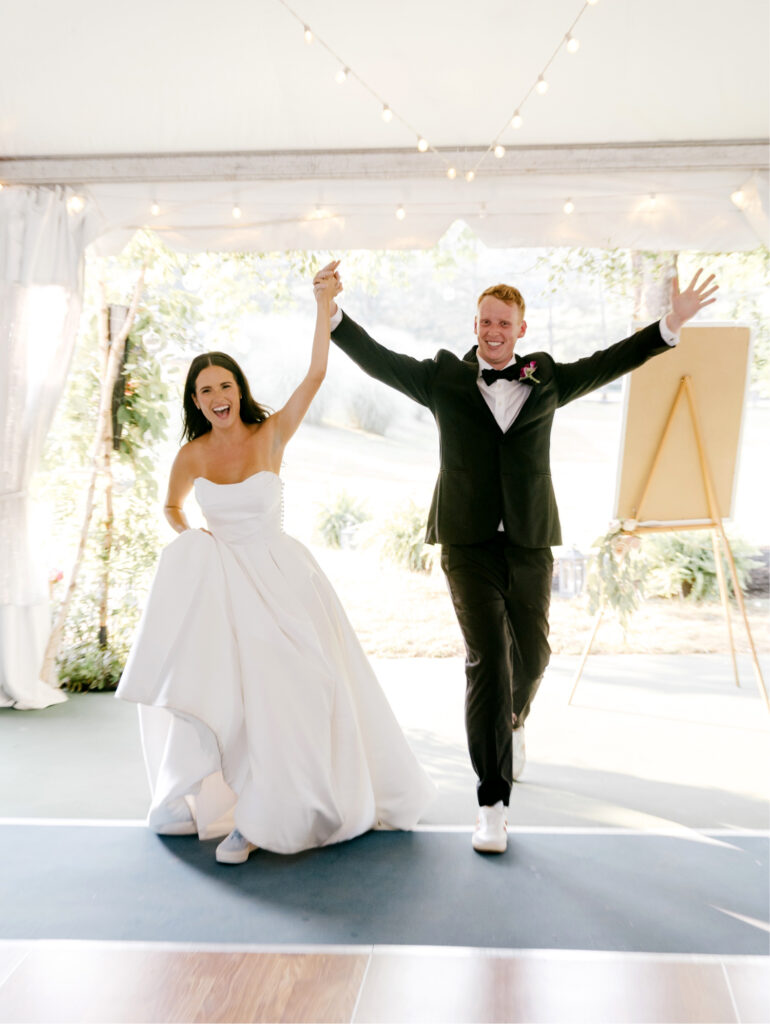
(527, 375)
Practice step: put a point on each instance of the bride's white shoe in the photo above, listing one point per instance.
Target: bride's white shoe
(172, 819)
(235, 849)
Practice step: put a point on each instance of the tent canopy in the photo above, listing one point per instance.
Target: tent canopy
(648, 129)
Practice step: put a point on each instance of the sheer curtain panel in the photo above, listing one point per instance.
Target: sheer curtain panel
(41, 267)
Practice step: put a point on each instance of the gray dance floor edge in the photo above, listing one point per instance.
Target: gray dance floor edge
(617, 892)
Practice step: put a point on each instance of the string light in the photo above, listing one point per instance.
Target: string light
(739, 199)
(540, 85)
(237, 212)
(652, 201)
(482, 211)
(400, 213)
(75, 204)
(2, 186)
(155, 209)
(568, 41)
(569, 207)
(451, 173)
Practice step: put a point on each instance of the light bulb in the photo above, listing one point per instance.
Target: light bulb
(470, 175)
(308, 34)
(573, 45)
(517, 120)
(75, 204)
(569, 206)
(2, 186)
(155, 209)
(652, 200)
(542, 86)
(499, 151)
(739, 199)
(342, 76)
(482, 211)
(451, 173)
(422, 145)
(387, 114)
(592, 2)
(237, 212)
(400, 213)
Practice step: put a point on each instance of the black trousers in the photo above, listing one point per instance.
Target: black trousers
(501, 594)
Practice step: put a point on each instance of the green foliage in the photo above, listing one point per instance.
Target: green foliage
(403, 539)
(682, 565)
(143, 412)
(337, 520)
(90, 667)
(624, 568)
(743, 278)
(615, 574)
(744, 287)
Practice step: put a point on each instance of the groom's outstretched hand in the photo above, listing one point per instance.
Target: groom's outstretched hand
(322, 282)
(684, 305)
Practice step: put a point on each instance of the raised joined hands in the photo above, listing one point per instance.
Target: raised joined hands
(327, 284)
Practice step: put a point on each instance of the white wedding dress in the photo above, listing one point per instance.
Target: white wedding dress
(257, 703)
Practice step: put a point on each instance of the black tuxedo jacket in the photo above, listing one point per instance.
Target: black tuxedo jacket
(488, 475)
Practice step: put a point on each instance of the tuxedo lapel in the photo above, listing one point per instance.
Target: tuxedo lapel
(471, 370)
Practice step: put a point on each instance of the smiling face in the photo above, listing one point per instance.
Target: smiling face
(498, 326)
(217, 396)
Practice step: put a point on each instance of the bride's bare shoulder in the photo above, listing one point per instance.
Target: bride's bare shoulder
(190, 457)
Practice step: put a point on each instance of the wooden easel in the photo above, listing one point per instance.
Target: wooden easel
(714, 524)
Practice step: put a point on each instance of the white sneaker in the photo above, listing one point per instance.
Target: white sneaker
(490, 835)
(235, 849)
(519, 752)
(172, 819)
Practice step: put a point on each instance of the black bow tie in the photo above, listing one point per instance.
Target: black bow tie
(512, 372)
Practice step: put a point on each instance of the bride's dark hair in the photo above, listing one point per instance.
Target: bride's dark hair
(194, 423)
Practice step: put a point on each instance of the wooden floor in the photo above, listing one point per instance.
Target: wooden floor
(67, 981)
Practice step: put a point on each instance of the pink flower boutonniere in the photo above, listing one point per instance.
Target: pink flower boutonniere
(528, 372)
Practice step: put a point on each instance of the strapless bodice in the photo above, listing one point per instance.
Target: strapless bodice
(245, 512)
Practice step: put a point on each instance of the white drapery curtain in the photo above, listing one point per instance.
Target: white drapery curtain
(41, 269)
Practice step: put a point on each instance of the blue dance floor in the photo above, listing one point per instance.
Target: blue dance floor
(557, 890)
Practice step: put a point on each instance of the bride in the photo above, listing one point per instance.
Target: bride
(258, 707)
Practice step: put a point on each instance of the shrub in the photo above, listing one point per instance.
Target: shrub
(403, 539)
(370, 407)
(682, 565)
(624, 568)
(336, 520)
(90, 667)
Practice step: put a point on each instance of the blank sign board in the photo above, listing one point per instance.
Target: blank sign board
(716, 358)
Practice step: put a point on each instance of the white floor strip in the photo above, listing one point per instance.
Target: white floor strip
(77, 822)
(458, 952)
(676, 831)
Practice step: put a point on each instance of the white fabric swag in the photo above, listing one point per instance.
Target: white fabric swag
(41, 270)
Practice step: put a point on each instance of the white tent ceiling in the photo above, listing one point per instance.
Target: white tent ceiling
(198, 106)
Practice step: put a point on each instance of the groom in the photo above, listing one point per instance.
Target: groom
(494, 511)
